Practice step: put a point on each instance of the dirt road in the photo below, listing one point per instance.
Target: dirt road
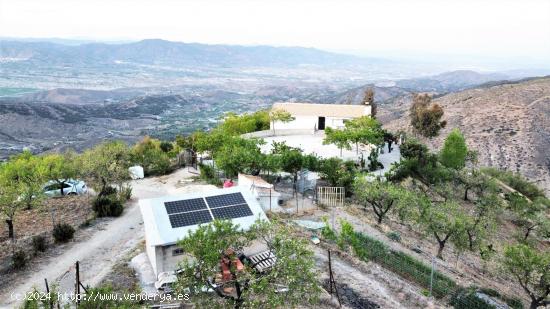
(107, 242)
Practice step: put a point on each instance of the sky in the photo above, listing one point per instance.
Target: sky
(482, 28)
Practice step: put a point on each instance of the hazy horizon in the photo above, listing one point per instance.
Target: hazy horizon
(493, 31)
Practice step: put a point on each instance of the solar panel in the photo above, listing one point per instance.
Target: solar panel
(184, 205)
(225, 200)
(190, 218)
(231, 212)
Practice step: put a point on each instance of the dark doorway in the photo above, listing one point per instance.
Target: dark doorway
(321, 123)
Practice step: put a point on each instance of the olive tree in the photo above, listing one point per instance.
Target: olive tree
(291, 281)
(531, 269)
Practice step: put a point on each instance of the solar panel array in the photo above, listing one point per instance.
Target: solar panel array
(203, 210)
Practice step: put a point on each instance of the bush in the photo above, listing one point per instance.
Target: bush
(19, 259)
(209, 175)
(166, 146)
(107, 206)
(126, 193)
(468, 299)
(39, 243)
(516, 181)
(395, 236)
(63, 232)
(108, 191)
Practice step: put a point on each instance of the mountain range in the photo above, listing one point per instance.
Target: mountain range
(160, 52)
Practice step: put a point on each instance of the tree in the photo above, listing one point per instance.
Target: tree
(28, 172)
(531, 269)
(454, 152)
(10, 201)
(338, 173)
(445, 221)
(483, 219)
(239, 155)
(61, 168)
(426, 117)
(382, 197)
(340, 138)
(105, 165)
(531, 215)
(149, 153)
(278, 114)
(368, 99)
(234, 124)
(363, 130)
(220, 242)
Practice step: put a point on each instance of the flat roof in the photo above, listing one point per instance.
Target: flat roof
(326, 110)
(159, 231)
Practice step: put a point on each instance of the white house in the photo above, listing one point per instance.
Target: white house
(262, 190)
(170, 218)
(309, 116)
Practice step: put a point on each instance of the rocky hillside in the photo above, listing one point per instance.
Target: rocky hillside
(509, 124)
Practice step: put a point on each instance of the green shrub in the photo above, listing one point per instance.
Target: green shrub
(327, 232)
(39, 243)
(126, 193)
(108, 191)
(107, 206)
(516, 181)
(209, 175)
(19, 259)
(63, 232)
(468, 299)
(395, 236)
(166, 146)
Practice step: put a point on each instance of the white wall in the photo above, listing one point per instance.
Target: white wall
(309, 123)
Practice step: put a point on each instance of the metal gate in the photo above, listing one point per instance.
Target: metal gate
(331, 196)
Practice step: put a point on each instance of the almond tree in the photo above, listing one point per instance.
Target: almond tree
(383, 197)
(61, 168)
(291, 280)
(278, 114)
(446, 221)
(10, 198)
(531, 269)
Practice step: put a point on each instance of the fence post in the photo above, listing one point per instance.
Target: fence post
(77, 284)
(432, 276)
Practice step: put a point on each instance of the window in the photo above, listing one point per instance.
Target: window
(176, 252)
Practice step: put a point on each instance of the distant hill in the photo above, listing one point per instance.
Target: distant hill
(508, 124)
(450, 81)
(160, 52)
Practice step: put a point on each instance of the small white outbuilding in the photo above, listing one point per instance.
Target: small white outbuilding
(171, 218)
